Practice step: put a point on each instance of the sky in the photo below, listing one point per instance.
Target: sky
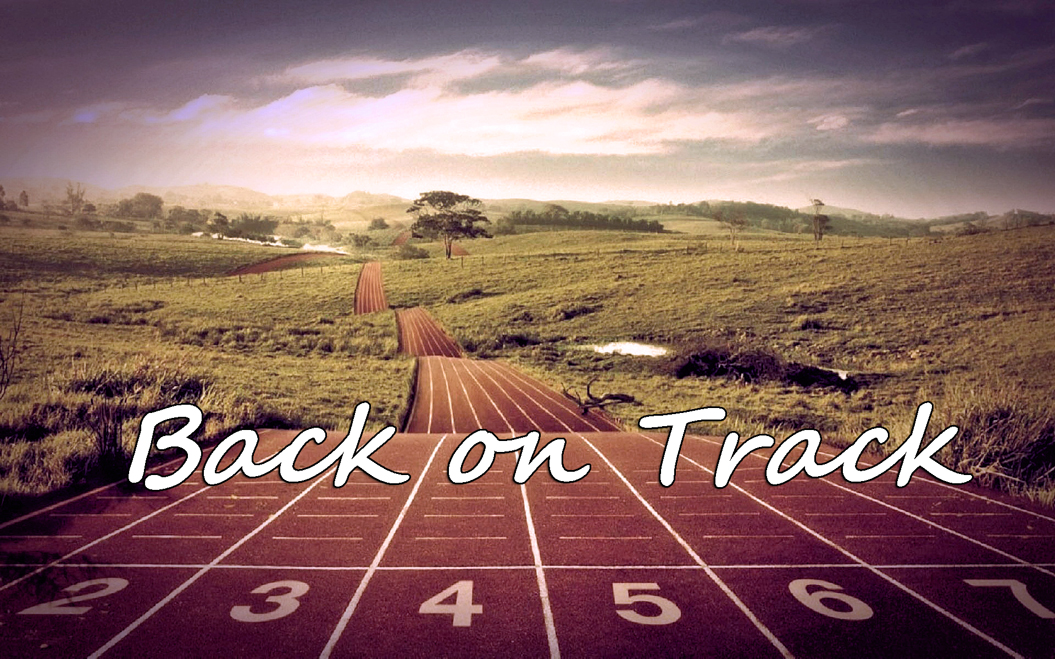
(915, 109)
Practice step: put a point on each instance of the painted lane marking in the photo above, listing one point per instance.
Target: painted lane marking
(169, 536)
(890, 535)
(605, 537)
(200, 573)
(845, 552)
(83, 548)
(294, 537)
(349, 610)
(467, 515)
(696, 557)
(540, 576)
(353, 498)
(213, 515)
(463, 537)
(467, 498)
(90, 515)
(338, 515)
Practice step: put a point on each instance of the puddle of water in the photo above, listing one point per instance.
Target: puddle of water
(630, 348)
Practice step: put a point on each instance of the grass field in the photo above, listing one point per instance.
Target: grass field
(964, 322)
(116, 326)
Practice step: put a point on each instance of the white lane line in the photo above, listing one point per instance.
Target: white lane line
(172, 536)
(90, 515)
(871, 568)
(844, 514)
(680, 482)
(741, 537)
(415, 568)
(432, 390)
(465, 392)
(970, 514)
(296, 537)
(1022, 536)
(352, 498)
(605, 537)
(240, 497)
(890, 535)
(483, 372)
(99, 540)
(466, 498)
(349, 610)
(340, 515)
(565, 404)
(461, 537)
(200, 573)
(580, 497)
(467, 365)
(713, 514)
(961, 492)
(58, 504)
(696, 557)
(935, 525)
(540, 576)
(466, 515)
(593, 515)
(213, 515)
(131, 496)
(918, 496)
(447, 387)
(488, 368)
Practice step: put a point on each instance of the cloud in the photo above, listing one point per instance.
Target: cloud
(830, 122)
(677, 25)
(553, 117)
(968, 51)
(461, 65)
(775, 36)
(998, 133)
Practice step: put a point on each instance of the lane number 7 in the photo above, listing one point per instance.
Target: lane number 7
(1018, 589)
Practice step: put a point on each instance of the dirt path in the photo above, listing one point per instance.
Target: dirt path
(370, 290)
(279, 263)
(402, 238)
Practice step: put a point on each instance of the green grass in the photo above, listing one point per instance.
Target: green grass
(964, 322)
(911, 320)
(279, 350)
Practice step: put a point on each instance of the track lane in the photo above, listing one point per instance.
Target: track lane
(369, 290)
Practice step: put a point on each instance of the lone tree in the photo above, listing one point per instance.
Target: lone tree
(734, 221)
(447, 214)
(820, 222)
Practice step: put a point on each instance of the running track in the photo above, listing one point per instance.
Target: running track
(611, 565)
(370, 291)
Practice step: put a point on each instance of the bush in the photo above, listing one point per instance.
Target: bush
(408, 251)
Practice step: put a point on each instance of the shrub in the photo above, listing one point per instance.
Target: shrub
(408, 251)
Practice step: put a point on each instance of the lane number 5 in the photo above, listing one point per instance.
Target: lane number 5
(668, 612)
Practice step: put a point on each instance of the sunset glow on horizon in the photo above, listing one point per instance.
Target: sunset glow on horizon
(937, 109)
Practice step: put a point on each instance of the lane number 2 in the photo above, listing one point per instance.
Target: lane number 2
(815, 600)
(667, 614)
(1018, 589)
(462, 609)
(285, 602)
(62, 606)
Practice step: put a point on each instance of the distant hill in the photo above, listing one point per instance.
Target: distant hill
(205, 195)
